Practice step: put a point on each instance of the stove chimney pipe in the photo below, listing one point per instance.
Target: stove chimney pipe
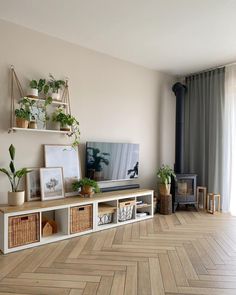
(179, 91)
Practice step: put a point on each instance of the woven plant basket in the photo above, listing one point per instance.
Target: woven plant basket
(164, 189)
(166, 204)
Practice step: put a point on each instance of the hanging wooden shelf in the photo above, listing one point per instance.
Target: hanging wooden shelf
(54, 102)
(16, 129)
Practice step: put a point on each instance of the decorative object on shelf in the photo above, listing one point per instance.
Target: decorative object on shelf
(105, 213)
(126, 209)
(49, 227)
(33, 189)
(68, 158)
(36, 87)
(55, 86)
(211, 203)
(24, 113)
(88, 186)
(164, 175)
(15, 197)
(52, 184)
(81, 218)
(166, 204)
(201, 191)
(67, 123)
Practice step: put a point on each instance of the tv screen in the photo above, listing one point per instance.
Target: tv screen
(112, 161)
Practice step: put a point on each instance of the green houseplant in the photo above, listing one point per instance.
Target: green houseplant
(164, 175)
(36, 87)
(86, 186)
(55, 85)
(67, 123)
(15, 197)
(23, 113)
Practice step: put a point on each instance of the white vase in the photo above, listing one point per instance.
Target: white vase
(16, 198)
(56, 96)
(33, 93)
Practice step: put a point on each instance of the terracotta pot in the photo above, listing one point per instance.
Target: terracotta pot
(22, 123)
(65, 128)
(87, 190)
(32, 125)
(164, 189)
(16, 198)
(33, 93)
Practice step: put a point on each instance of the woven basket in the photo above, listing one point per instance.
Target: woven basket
(23, 230)
(166, 204)
(81, 218)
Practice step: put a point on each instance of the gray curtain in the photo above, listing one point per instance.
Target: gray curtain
(203, 147)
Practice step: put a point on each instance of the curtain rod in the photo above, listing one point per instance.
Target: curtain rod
(211, 69)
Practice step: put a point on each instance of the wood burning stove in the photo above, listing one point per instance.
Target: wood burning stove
(184, 190)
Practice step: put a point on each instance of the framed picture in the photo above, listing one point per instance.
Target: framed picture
(67, 157)
(52, 184)
(33, 189)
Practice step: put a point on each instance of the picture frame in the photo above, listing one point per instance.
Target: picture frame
(33, 187)
(66, 157)
(52, 183)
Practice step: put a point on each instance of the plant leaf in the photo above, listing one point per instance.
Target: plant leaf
(12, 167)
(12, 151)
(3, 170)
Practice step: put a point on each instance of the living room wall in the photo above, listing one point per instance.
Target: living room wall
(114, 101)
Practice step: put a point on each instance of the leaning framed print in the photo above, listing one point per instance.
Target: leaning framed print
(52, 183)
(67, 157)
(33, 189)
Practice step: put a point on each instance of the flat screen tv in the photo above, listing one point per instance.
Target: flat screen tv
(107, 161)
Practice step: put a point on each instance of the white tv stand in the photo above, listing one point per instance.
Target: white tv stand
(61, 210)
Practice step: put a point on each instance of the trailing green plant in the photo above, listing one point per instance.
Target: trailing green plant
(25, 108)
(85, 182)
(14, 175)
(40, 85)
(65, 120)
(165, 173)
(54, 84)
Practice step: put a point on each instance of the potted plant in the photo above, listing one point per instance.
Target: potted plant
(86, 186)
(164, 175)
(67, 123)
(15, 197)
(96, 158)
(23, 114)
(55, 86)
(36, 87)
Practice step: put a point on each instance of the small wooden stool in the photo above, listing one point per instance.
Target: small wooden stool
(203, 190)
(166, 204)
(211, 206)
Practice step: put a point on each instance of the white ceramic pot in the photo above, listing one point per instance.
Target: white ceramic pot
(33, 92)
(16, 198)
(56, 96)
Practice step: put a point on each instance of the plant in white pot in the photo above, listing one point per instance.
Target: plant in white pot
(35, 87)
(164, 175)
(15, 197)
(55, 86)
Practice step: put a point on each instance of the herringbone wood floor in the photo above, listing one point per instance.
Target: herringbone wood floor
(185, 253)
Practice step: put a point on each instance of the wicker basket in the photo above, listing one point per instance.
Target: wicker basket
(23, 230)
(166, 204)
(81, 218)
(125, 210)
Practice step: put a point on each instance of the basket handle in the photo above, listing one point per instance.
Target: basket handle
(81, 208)
(24, 218)
(127, 203)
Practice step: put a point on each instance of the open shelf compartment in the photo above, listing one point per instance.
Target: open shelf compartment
(126, 209)
(107, 213)
(144, 206)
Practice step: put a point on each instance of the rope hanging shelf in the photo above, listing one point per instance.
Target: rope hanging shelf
(16, 87)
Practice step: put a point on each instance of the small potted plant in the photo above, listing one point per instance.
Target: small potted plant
(164, 175)
(86, 186)
(36, 87)
(55, 86)
(15, 197)
(23, 114)
(67, 123)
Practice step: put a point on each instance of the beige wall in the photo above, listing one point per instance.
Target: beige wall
(114, 101)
